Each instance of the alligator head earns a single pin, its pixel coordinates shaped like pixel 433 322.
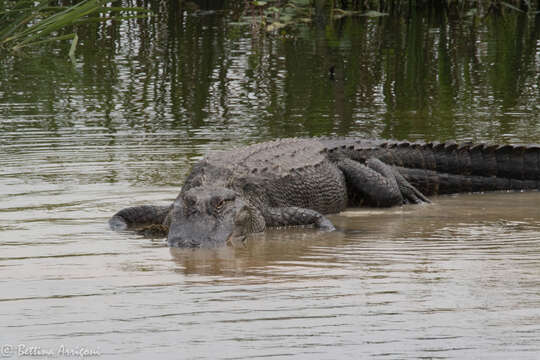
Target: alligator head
pixel 207 216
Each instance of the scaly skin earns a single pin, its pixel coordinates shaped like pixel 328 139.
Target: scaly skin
pixel 231 194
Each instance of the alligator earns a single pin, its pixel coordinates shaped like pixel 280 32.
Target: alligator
pixel 287 182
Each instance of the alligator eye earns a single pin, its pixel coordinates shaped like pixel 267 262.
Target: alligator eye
pixel 220 204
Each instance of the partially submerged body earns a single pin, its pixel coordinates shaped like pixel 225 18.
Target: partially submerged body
pixel 287 182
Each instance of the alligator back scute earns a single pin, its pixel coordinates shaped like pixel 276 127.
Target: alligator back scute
pixel 531 162
pixel 407 154
pixel 426 152
pixel 483 160
pixel 443 160
pixel 395 155
pixel 424 155
pixel 464 158
pixel 450 149
pixel 384 154
pixel 505 166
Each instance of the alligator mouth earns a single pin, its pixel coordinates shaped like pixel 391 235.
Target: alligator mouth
pixel 183 244
pixel 233 240
pixel 199 232
pixel 196 242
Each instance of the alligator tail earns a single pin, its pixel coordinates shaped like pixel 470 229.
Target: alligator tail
pixel 443 168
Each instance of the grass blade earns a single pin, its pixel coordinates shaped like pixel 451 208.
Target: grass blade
pixel 37 22
pixel 73 47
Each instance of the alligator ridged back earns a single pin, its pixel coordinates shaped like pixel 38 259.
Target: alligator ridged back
pixel 276 157
pixel 273 159
pixel 279 173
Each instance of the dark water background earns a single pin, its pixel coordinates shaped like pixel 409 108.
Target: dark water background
pixel 147 98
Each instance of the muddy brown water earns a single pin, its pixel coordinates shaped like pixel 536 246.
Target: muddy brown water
pixel 453 279
pixel 145 99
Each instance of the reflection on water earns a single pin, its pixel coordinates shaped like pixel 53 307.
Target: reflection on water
pixel 454 279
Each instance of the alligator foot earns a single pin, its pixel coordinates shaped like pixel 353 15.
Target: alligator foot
pixel 289 216
pixel 379 184
pixel 153 231
pixel 410 193
pixel 374 181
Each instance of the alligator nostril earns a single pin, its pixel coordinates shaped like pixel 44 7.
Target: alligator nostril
pixel 190 202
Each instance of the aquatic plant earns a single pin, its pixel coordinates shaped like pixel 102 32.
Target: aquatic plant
pixel 483 7
pixel 26 23
pixel 273 15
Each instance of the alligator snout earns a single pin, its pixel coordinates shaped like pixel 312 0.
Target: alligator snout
pixel 200 230
pixel 203 218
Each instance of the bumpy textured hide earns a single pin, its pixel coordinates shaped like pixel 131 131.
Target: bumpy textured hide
pixel 288 172
pixel 296 181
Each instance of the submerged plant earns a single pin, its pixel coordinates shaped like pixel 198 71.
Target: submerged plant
pixel 25 23
pixel 271 15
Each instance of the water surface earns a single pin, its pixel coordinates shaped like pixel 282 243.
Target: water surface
pixel 455 279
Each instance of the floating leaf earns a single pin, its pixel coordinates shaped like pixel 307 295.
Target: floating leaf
pixel 339 13
pixel 374 13
pixel 301 2
pixel 285 18
pixel 260 3
pixel 238 23
pixel 471 12
pixel 275 26
pixel 250 19
pixel 290 11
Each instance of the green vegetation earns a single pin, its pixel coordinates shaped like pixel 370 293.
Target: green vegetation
pixel 273 15
pixel 482 6
pixel 426 71
pixel 25 23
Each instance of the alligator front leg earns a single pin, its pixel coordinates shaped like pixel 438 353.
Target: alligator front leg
pixel 289 216
pixel 378 183
pixel 142 218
